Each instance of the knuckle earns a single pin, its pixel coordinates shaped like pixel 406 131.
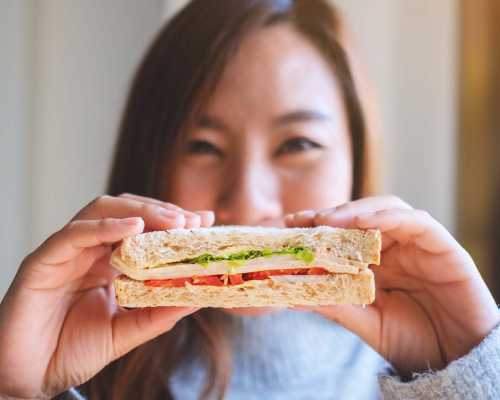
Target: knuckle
pixel 94 208
pixel 30 259
pixel 99 201
pixel 173 206
pixel 148 209
pixel 393 198
pixel 343 206
pixel 319 219
pixel 465 255
pixel 423 214
pixel 397 201
pixel 357 220
pixel 348 209
pixel 104 223
pixel 71 226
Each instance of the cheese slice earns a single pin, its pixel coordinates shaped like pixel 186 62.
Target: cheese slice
pixel 285 261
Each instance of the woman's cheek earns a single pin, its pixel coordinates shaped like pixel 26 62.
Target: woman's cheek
pixel 194 188
pixel 326 184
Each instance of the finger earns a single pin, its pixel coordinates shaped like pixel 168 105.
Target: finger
pixel 207 218
pixel 405 226
pixel 342 215
pixel 70 241
pixel 192 217
pixel 336 216
pixel 150 200
pixel 192 220
pixel 131 328
pixel 277 222
pixel 155 216
pixel 101 269
pixel 38 276
pixel 394 273
pixel 300 219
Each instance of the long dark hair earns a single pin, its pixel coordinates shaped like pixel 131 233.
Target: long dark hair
pixel 178 73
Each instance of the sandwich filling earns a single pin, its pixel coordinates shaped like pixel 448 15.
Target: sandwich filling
pixel 247 263
pixel 238 279
pixel 237 259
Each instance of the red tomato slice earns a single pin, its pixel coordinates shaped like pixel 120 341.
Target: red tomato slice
pixel 266 274
pixel 252 276
pixel 290 271
pixel 235 279
pixel 213 280
pixel 317 271
pixel 177 282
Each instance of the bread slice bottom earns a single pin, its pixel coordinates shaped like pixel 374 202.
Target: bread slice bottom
pixel 333 289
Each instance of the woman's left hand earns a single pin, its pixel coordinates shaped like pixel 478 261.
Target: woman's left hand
pixel 432 306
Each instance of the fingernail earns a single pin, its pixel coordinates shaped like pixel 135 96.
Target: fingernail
pixel 192 220
pixel 180 219
pixel 205 212
pixel 172 218
pixel 207 217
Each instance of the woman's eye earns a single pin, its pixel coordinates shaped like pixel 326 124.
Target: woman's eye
pixel 202 147
pixel 297 145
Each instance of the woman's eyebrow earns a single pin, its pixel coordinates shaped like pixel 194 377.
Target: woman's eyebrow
pixel 210 122
pixel 300 116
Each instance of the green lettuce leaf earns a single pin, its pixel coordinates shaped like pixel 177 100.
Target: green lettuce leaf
pixel 236 259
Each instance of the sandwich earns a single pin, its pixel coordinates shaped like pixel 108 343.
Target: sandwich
pixel 242 266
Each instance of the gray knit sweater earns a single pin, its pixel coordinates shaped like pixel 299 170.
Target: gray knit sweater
pixel 298 355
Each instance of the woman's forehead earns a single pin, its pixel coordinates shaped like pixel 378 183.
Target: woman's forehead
pixel 275 69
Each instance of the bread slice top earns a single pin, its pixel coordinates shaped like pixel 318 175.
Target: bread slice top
pixel 148 250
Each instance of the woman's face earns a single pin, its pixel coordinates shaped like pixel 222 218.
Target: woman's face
pixel 273 139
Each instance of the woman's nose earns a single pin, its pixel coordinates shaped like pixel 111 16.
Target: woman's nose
pixel 251 196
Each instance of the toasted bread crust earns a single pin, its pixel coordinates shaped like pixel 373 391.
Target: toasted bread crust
pixel 161 247
pixel 333 289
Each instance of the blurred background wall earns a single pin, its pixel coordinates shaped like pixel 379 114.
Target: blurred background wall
pixel 478 197
pixel 65 66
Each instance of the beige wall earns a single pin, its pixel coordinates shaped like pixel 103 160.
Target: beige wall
pixel 66 69
pixel 16 100
pixel 66 66
pixel 409 49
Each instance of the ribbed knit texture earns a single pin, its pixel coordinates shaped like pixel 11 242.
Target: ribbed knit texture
pixel 476 376
pixel 293 355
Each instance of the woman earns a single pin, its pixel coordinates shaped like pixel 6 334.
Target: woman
pixel 248 109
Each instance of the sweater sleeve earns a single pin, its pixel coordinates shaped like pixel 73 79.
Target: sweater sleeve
pixel 473 376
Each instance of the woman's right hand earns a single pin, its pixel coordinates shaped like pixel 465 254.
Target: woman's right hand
pixel 59 323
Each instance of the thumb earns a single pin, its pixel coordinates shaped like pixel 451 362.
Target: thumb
pixel 132 328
